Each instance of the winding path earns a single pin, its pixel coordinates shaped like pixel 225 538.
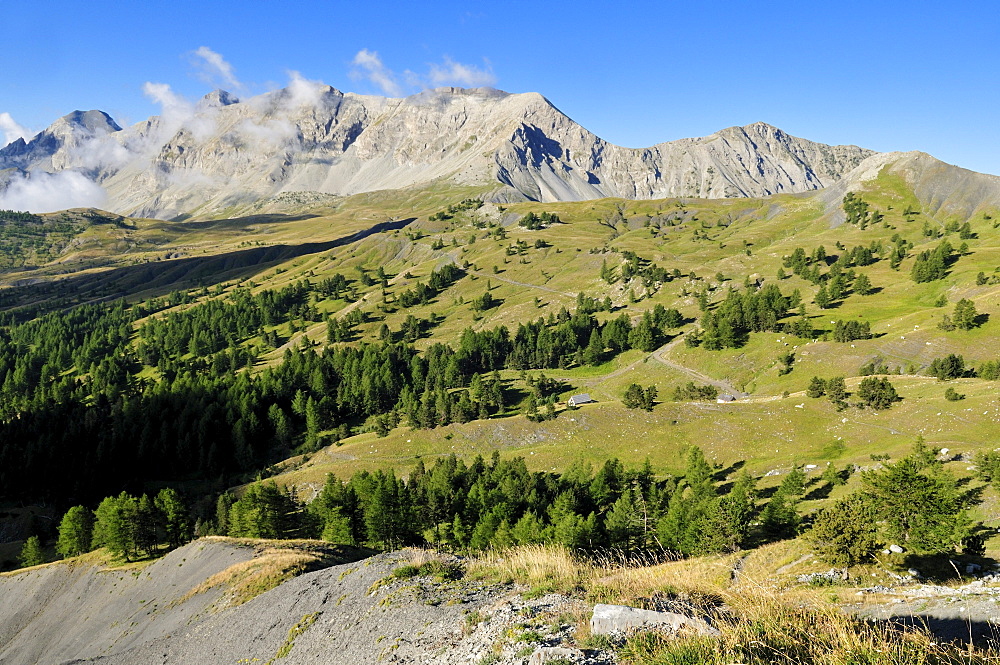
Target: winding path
pixel 723 386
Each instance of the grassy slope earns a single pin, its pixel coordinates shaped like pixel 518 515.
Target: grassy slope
pixel 769 434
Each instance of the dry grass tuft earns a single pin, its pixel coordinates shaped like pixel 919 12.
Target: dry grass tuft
pixel 275 561
pixel 429 562
pixel 248 579
pixel 759 622
pixel 767 629
pixel 543 567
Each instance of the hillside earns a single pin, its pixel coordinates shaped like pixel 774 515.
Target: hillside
pixel 394 368
pixel 226 154
pixel 212 601
pixel 675 249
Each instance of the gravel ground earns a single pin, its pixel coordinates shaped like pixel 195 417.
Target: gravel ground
pixel 60 612
pixel 970 612
pixel 353 613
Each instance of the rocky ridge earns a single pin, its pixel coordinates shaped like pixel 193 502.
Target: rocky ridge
pixel 225 152
pixel 355 612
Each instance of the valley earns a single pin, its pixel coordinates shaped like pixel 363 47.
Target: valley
pixel 390 368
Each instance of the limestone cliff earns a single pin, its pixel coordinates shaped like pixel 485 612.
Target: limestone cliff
pixel 225 152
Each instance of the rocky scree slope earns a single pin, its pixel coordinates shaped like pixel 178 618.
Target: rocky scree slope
pixel 350 613
pixel 224 152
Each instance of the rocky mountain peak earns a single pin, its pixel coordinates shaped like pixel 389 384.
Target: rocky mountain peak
pixel 313 137
pixel 218 99
pixel 94 122
pixel 52 148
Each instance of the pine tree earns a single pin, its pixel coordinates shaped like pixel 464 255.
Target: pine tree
pixel 730 528
pixel 115 525
pixel 337 528
pixel 780 517
pixel 31 553
pixel 965 314
pixel 624 522
pixel 862 285
pixel 223 506
pixel 175 516
pixel 822 298
pixel 691 510
pixel 634 396
pixel 877 393
pixel 836 391
pixel 920 505
pixel 147 520
pixel 817 387
pixel 594 353
pixel 643 336
pixel 75 532
pixel 264 511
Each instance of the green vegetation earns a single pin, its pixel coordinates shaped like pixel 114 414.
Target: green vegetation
pixel 500 504
pixel 302 626
pixel 31 553
pixel 430 339
pixel 932 265
pixel 130 527
pixel 913 503
pixel 76 532
pixel 637 397
pixel 877 393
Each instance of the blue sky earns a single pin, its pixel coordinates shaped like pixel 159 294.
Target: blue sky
pixel 884 75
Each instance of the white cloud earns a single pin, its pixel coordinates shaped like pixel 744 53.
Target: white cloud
pixel 12 131
pixel 272 132
pixel 302 91
pixel 452 72
pixel 174 107
pixel 368 65
pixel 213 68
pixel 178 112
pixel 48 192
pixel 99 152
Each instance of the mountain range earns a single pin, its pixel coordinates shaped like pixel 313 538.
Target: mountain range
pixel 212 157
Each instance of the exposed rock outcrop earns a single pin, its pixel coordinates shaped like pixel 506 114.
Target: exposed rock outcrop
pixel 226 152
pixel 356 612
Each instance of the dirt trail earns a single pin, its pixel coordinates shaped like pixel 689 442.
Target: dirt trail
pixel 723 386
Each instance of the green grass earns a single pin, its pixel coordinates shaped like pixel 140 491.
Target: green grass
pixel 768 434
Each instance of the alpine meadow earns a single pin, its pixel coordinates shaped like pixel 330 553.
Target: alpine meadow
pixel 326 377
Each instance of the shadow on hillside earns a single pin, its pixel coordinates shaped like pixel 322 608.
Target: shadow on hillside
pixel 723 474
pixel 767 492
pixel 161 277
pixel 949 629
pixel 819 491
pixel 235 222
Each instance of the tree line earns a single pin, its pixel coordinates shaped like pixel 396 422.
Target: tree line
pixel 499 503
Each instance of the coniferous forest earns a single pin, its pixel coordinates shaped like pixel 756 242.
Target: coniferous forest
pixel 159 419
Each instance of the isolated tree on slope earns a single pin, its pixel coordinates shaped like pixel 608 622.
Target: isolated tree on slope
pixel 31 553
pixel 922 506
pixel 846 533
pixel 965 314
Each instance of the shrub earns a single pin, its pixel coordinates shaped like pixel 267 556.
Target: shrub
pixel 845 533
pixel 877 393
pixel 949 367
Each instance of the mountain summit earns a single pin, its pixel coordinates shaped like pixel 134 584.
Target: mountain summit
pixel 226 152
